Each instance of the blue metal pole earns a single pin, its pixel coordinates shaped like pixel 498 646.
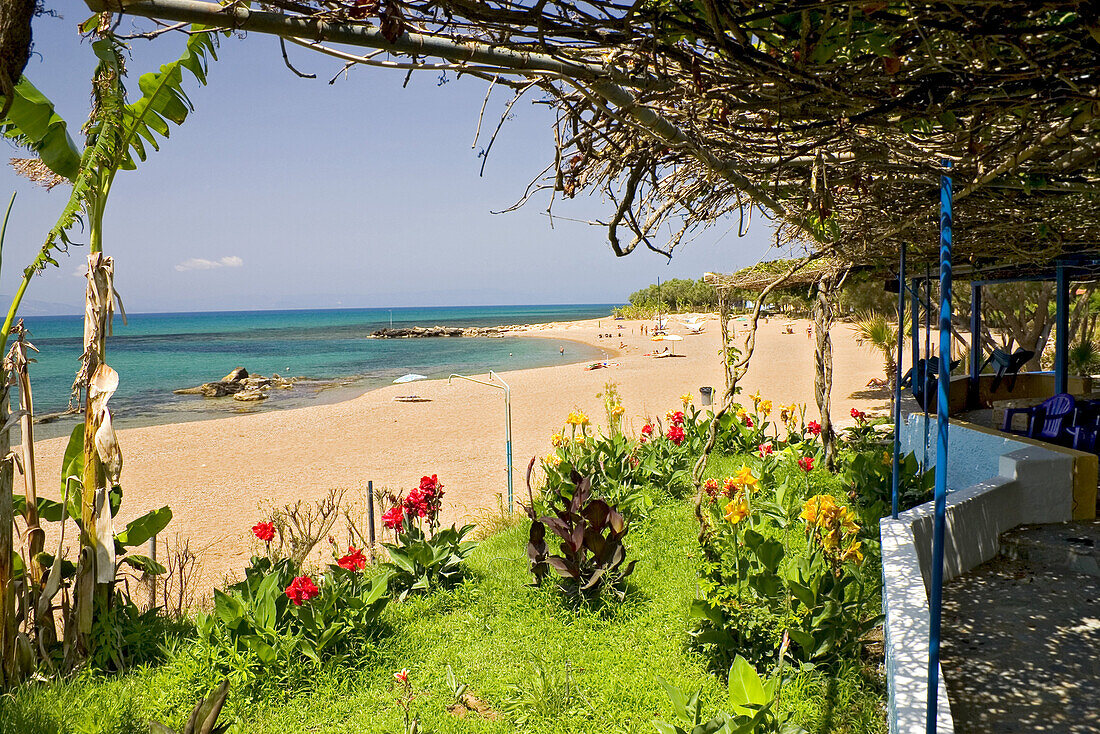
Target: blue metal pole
pixel 1061 341
pixel 973 392
pixel 942 408
pixel 914 326
pixel 897 384
pixel 927 354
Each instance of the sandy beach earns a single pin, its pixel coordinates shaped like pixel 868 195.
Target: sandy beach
pixel 217 474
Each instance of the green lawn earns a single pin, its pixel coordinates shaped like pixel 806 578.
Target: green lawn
pixel 523 651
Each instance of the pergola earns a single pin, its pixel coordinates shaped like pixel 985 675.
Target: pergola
pixel 857 128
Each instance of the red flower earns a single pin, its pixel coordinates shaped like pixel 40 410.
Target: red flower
pixel 393 517
pixel 765 449
pixel 748 421
pixel 301 590
pixel 711 487
pixel 678 418
pixel 806 463
pixel 402 677
pixel 647 431
pixel 859 415
pixel 354 560
pixel 429 484
pixel 814 428
pixel 265 531
pixel 676 434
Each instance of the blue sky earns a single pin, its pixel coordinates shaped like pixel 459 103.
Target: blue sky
pixel 280 192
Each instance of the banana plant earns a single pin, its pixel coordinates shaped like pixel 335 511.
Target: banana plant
pixel 119 135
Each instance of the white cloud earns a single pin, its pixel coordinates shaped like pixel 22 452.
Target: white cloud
pixel 198 263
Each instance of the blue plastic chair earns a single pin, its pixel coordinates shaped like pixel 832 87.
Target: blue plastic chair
pixel 1048 421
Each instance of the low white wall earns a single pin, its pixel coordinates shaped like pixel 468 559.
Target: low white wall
pixel 1032 485
pixel 974 455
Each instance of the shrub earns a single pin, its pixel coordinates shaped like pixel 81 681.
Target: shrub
pixel 277 616
pixel 815 588
pixel 424 556
pixel 591 533
pixel 752 702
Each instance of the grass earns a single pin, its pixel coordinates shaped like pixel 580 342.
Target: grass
pixel 536 662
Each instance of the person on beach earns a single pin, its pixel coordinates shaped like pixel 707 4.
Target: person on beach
pixel 561 351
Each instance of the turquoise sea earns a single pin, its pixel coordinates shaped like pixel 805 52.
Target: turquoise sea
pixel 155 354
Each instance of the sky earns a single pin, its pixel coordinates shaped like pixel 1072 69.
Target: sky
pixel 281 192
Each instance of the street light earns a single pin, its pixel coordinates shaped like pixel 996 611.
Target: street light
pixel 507 418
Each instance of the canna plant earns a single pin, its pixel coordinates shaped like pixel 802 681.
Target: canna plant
pixel 425 556
pixel 591 536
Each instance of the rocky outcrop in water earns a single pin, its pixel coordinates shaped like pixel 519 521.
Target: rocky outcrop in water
pixel 423 332
pixel 241 385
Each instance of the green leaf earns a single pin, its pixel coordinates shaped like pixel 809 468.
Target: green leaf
pixel 745 688
pixel 163 99
pixel 145 564
pixel 264 651
pixel 228 608
pixel 139 531
pixel 48 510
pixel 33 123
pixel 676 696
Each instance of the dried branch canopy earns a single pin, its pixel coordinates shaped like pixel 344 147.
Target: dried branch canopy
pixel 834 118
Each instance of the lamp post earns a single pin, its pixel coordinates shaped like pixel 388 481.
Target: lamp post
pixel 507 418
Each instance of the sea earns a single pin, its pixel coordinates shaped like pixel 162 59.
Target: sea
pixel 157 353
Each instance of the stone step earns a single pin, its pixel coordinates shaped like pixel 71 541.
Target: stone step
pixel 1071 546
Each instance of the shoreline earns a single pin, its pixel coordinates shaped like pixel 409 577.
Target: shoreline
pixel 312 392
pixel 217 475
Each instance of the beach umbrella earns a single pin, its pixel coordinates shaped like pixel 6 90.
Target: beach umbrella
pixel 669 338
pixel 409 378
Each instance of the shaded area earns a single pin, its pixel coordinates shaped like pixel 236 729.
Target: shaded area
pixel 1020 642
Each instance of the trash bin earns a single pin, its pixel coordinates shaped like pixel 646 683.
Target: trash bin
pixel 707 394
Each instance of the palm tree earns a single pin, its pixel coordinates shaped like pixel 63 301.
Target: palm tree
pixel 879 332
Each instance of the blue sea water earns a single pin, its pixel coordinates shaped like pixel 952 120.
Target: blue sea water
pixel 155 354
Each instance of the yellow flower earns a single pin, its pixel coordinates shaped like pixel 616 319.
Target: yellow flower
pixel 686 399
pixel 737 510
pixel 852 553
pixel 558 440
pixel 765 407
pixel 580 440
pixel 577 418
pixel 887 460
pixel 818 509
pixel 847 520
pixel 551 459
pixel 755 398
pixel 617 410
pixel 744 479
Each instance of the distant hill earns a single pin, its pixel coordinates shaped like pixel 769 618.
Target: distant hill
pixel 33 307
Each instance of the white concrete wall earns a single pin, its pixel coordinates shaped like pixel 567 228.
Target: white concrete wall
pixel 974 455
pixel 1032 485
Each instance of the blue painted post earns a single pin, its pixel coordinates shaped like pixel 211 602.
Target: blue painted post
pixel 1061 341
pixel 927 354
pixel 914 325
pixel 973 393
pixel 942 407
pixel 897 383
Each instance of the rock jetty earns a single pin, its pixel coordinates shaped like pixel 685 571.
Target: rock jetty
pixel 241 385
pixel 423 332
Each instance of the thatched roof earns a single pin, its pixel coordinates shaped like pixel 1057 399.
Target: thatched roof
pixel 758 277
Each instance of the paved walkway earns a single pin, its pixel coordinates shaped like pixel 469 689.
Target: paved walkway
pixel 1021 646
